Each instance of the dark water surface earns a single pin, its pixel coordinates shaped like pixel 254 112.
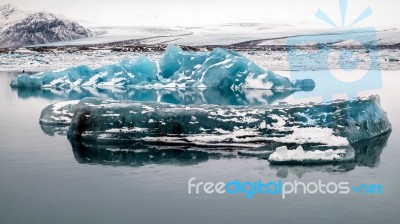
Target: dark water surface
pixel 44 180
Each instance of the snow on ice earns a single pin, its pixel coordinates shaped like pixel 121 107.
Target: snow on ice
pixel 220 68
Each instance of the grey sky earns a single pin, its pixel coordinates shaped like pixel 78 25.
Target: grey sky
pixel 202 12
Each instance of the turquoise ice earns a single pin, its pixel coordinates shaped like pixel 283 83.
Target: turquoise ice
pixel 220 68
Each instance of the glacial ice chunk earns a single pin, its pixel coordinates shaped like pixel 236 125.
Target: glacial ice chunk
pixel 172 61
pixel 141 70
pixel 336 124
pixel 125 73
pixel 220 68
pixel 283 156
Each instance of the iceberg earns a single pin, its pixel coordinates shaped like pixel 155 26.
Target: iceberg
pixel 320 126
pixel 221 69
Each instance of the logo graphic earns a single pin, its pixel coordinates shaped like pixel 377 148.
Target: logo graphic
pixel 347 60
pixel 282 188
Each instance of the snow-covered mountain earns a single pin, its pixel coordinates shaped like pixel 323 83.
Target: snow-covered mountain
pixel 10 14
pixel 21 28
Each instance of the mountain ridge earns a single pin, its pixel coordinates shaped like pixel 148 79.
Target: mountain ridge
pixel 20 28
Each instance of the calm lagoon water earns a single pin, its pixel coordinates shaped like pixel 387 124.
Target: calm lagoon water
pixel 43 180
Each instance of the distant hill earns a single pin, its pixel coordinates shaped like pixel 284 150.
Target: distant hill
pixel 21 28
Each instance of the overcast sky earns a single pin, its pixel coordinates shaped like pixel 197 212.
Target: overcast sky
pixel 203 12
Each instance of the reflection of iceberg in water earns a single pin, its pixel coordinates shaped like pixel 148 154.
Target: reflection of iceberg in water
pixel 367 154
pixel 367 151
pixel 174 96
pixel 53 130
pixel 139 155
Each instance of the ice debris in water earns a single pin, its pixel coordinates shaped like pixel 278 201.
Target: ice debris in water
pixel 220 68
pixel 298 155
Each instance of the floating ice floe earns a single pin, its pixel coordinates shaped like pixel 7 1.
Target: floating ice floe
pixel 367 153
pixel 325 131
pixel 283 156
pixel 220 68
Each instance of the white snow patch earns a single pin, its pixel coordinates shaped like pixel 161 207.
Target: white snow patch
pixel 126 130
pixel 298 154
pixel 258 82
pixel 323 136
